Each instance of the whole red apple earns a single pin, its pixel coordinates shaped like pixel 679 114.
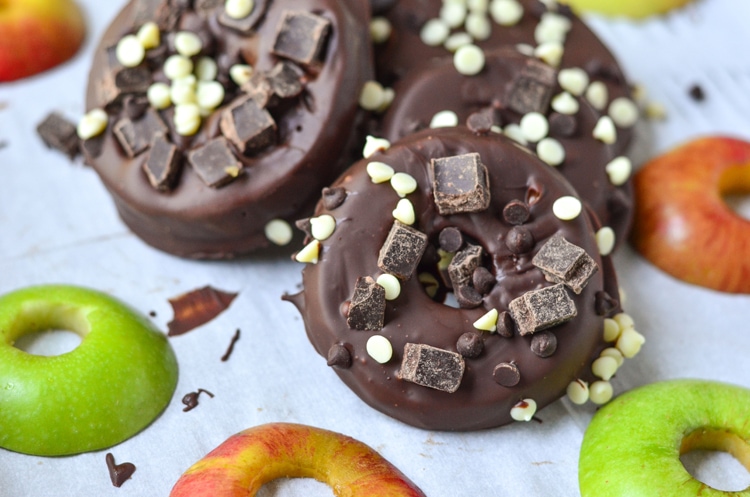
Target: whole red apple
pixel 36 35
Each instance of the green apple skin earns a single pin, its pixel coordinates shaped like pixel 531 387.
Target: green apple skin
pixel 632 446
pixel 637 9
pixel 115 383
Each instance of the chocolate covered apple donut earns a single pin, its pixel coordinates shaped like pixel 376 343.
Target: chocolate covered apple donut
pixel 451 211
pixel 212 123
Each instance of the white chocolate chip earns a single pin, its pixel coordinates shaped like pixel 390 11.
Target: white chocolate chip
pixel 565 103
pixel 605 130
pixel 496 129
pixel 623 112
pixel 240 73
pixel 597 95
pixel 656 111
pixel 404 212
pixel 187 119
pixel 551 151
pixel 206 69
pixel 391 284
pixel 210 94
pixel 444 119
pixel 630 342
pixel 611 330
pixel 534 126
pixel 615 354
pixel 403 184
pixel 149 36
pixel 604 367
pixel 183 91
pixel 624 321
pixel 310 253
pixel 239 9
pixel 550 52
pixel 372 95
pixel 578 392
pixel 525 49
pixel 379 348
pixel 445 259
pixel 524 410
pixel 374 145
pixel 513 131
pixel 552 28
pixel 92 124
pixel 379 172
pixel 177 66
pixel 159 96
pixel 129 51
pixel 567 208
pixel 187 44
pixel 605 240
pixel 430 284
pixel 322 227
pixel 488 322
pixel 574 80
pixel 278 232
pixel 619 170
pixel 388 96
pixel 453 14
pixel 478 5
pixel 506 12
pixel 434 32
pixel 478 25
pixel 187 111
pixel 469 60
pixel 600 392
pixel 380 30
pixel 457 40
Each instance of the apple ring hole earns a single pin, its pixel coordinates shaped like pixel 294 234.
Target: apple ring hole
pixel 48 329
pixel 734 187
pixel 717 458
pixel 295 486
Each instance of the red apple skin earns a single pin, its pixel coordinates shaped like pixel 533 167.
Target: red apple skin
pixel 36 35
pixel 241 465
pixel 681 222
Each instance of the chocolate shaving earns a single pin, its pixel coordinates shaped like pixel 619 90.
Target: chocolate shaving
pixel 118 473
pixel 402 250
pixel 215 163
pixel 432 367
pixel 163 164
pixel 541 309
pixel 531 90
pixel 460 184
pixel 367 307
pixel 248 125
pixel 300 36
pixel 564 262
pixel 191 399
pixel 196 308
pixel 339 356
pixel 333 197
pixel 506 374
pixel 230 349
pixel 60 134
pixel 135 136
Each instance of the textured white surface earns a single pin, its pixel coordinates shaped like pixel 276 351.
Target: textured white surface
pixel 57 224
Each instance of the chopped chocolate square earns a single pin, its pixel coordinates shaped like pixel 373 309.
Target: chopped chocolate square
pixel 564 262
pixel 135 106
pixel 135 136
pixel 258 87
pixel 60 134
pixel 248 126
pixel 541 309
pixel 432 367
pixel 163 164
pixel 463 264
pixel 285 80
pixel 247 23
pixel 215 163
pixel 531 91
pixel 460 184
pixel 133 79
pixel 402 250
pixel 367 307
pixel 333 197
pixel 300 36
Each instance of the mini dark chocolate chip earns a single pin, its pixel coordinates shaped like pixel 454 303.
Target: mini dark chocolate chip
pixel 339 356
pixel 301 36
pixel 118 473
pixel 505 325
pixel 506 374
pixel 60 134
pixel 450 239
pixel 516 212
pixel 402 251
pixel 191 399
pixel 519 240
pixel 483 280
pixel 604 303
pixel 470 345
pixel 367 307
pixel 696 93
pixel 604 70
pixel 544 343
pixel 468 297
pixel 563 125
pixel 215 163
pixel 460 184
pixel 333 197
pixel 432 367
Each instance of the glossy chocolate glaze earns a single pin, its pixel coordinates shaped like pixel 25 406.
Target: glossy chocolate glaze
pixel 585 156
pixel 316 133
pixel 363 222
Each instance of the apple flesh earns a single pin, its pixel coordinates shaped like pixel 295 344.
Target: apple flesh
pixel 241 465
pixel 630 8
pixel 633 445
pixel 36 35
pixel 115 383
pixel 682 223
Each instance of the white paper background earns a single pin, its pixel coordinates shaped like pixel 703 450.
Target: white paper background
pixel 58 225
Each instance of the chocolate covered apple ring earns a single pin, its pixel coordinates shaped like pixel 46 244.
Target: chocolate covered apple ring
pixel 447 210
pixel 222 122
pixel 241 465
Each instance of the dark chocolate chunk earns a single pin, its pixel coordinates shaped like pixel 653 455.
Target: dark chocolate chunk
pixel 460 184
pixel 249 126
pixel 537 310
pixel 481 122
pixel 564 262
pixel 505 325
pixel 607 71
pixel 544 343
pixel 604 303
pixel 191 399
pixel 118 473
pixel 470 344
pixel 531 91
pixel 215 163
pixel 519 240
pixel 381 6
pixel 230 348
pixel 367 307
pixel 285 80
pixel 258 87
pixel 195 308
pixel 135 136
pixel 247 23
pixel 300 36
pixel 463 264
pixel 92 148
pixel 402 250
pixel 468 297
pixel 60 134
pixel 339 356
pixel 450 239
pixel 333 197
pixel 206 7
pixel 133 79
pixel 163 164
pixel 168 14
pixel 144 11
pixel 516 212
pixel 135 106
pixel 432 367
pixel 155 57
pixel 563 125
pixel 304 225
pixel 696 93
pixel 506 374
pixel 482 280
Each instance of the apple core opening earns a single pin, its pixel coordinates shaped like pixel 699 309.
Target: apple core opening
pixel 717 458
pixel 48 329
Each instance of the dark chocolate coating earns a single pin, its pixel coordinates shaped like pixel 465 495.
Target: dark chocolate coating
pixel 363 222
pixel 585 156
pixel 316 133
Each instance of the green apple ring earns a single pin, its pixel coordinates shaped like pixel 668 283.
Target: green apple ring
pixel 115 383
pixel 634 443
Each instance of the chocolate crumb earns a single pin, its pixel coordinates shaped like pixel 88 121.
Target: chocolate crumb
pixel 198 307
pixel 604 303
pixel 506 374
pixel 519 240
pixel 432 367
pixel 483 280
pixel 367 307
pixel 505 325
pixel 339 356
pixel 152 314
pixel 544 343
pixel 230 349
pixel 516 212
pixel 118 473
pixel 191 399
pixel 696 93
pixel 333 197
pixel 451 239
pixel 470 345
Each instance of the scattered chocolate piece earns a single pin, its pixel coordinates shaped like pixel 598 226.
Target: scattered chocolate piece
pixel 506 374
pixel 470 345
pixel 232 343
pixel 215 163
pixel 163 164
pixel 258 87
pixel 246 24
pixel 285 80
pixel 519 240
pixel 531 91
pixel 367 307
pixel 206 7
pixel 133 79
pixel 333 197
pixel 152 314
pixel 450 239
pixel 461 268
pixel 339 356
pixel 59 134
pixel 696 93
pixel 135 136
pixel 598 69
pixel 481 122
pixel 304 225
pixel 135 106
pixel 460 184
pixel 564 262
pixel 402 250
pixel 191 399
pixel 505 325
pixel 483 280
pixel 198 307
pixel 604 303
pixel 300 36
pixel 563 125
pixel 118 473
pixel 248 125
pixel 541 309
pixel 92 148
pixel 544 343
pixel 468 297
pixel 432 367
pixel 516 212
